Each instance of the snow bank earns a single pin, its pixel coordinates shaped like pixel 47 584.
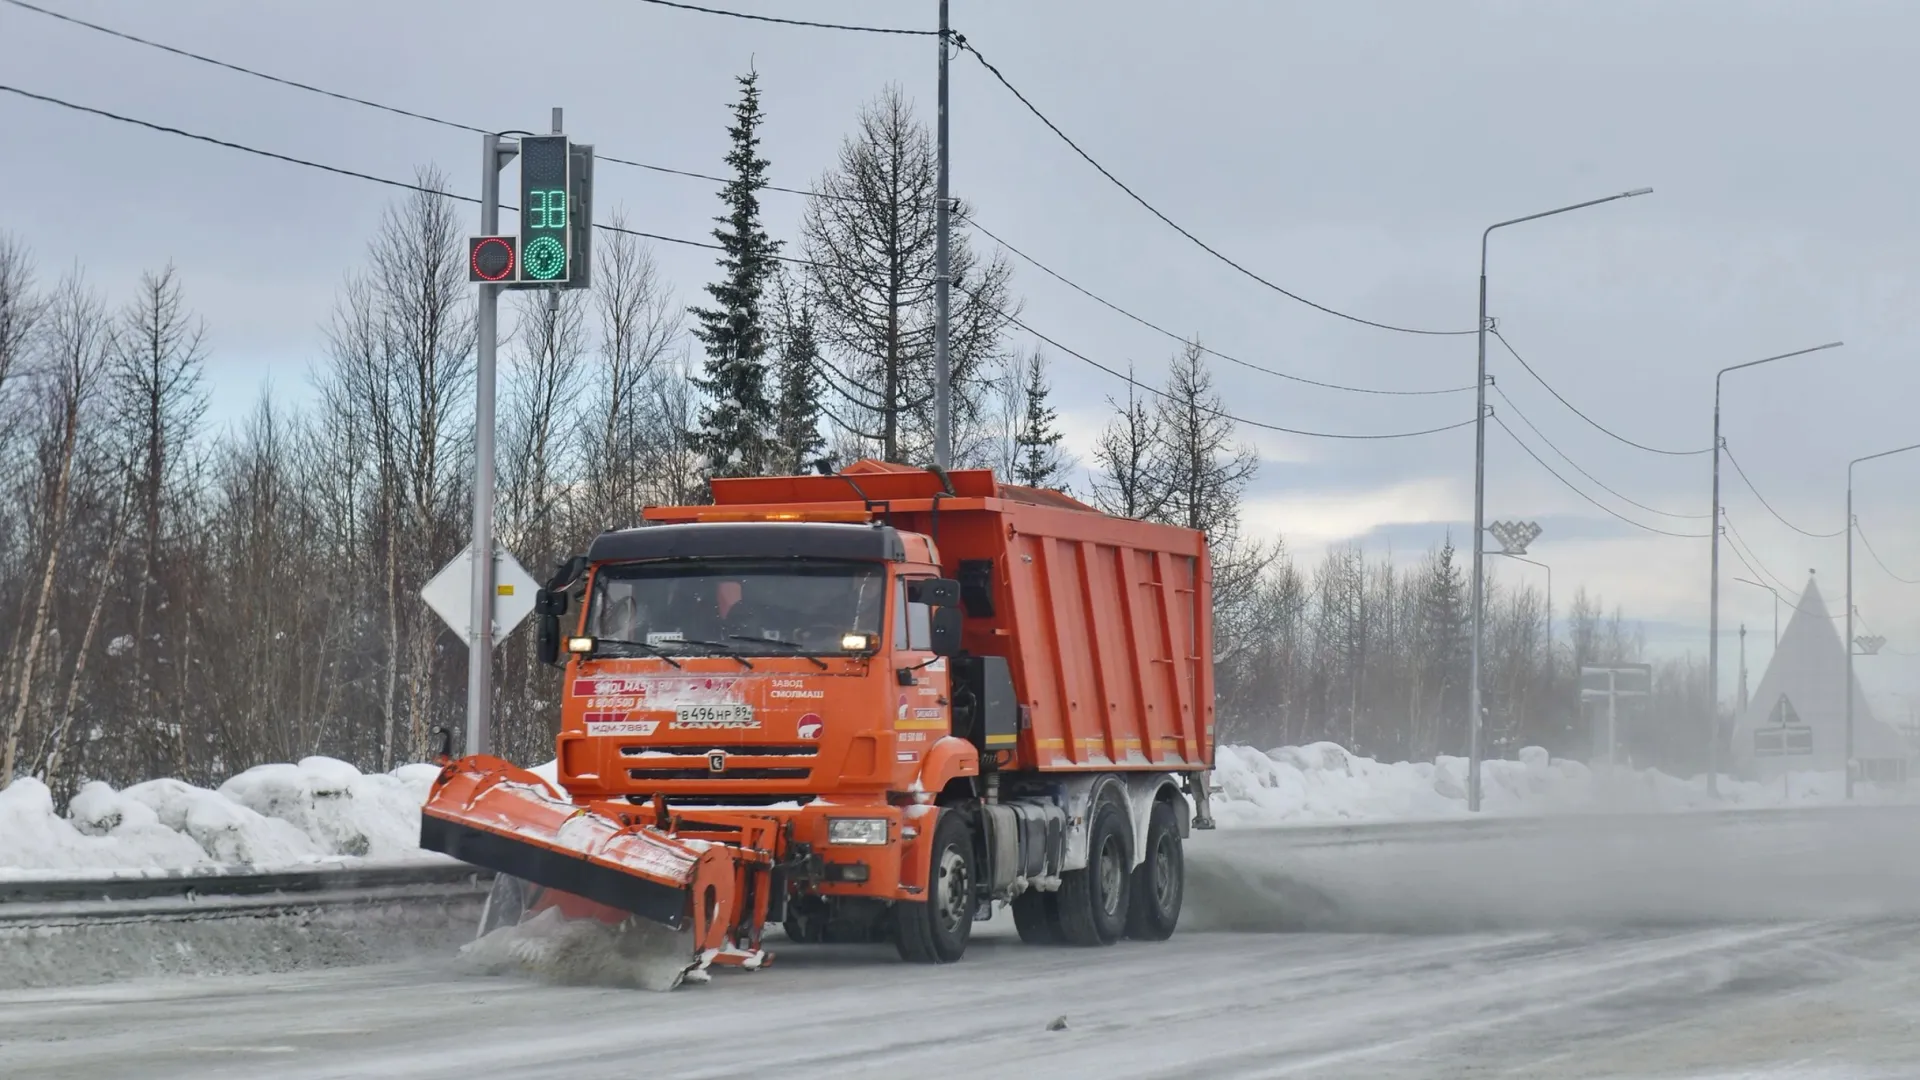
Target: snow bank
pixel 269 817
pixel 1325 783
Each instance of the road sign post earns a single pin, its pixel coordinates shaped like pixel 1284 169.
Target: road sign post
pixel 1610 683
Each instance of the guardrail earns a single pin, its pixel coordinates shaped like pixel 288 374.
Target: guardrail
pixel 234 893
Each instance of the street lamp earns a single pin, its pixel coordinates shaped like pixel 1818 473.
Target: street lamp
pixel 1776 605
pixel 1480 490
pixel 1851 641
pixel 1713 588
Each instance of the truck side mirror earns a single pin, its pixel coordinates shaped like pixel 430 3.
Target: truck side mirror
pixel 944 631
pixel 547 637
pixel 935 592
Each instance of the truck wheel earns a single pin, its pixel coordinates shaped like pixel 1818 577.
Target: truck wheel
pixel 1036 915
pixel 936 930
pixel 1093 901
pixel 1159 882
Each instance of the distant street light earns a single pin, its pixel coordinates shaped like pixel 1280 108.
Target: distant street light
pixel 1776 605
pixel 1713 588
pixel 1480 491
pixel 1851 640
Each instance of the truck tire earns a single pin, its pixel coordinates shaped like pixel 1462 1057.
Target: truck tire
pixel 1036 915
pixel 1093 900
pixel 1159 882
pixel 936 930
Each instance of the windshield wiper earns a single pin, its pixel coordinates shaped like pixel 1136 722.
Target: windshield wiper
pixel 724 649
pixel 654 649
pixel 798 648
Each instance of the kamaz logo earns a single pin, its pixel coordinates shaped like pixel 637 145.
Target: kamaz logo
pixel 717 761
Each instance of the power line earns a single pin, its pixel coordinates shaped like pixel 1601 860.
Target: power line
pixel 1763 501
pixel 1602 428
pixel 382 107
pixel 1603 485
pixel 1770 588
pixel 1876 556
pixel 339 171
pixel 1733 535
pixel 1174 225
pixel 1110 305
pixel 793 22
pixel 1156 391
pixel 357 175
pixel 1570 486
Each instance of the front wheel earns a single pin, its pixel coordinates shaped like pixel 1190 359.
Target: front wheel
pixel 936 930
pixel 1159 882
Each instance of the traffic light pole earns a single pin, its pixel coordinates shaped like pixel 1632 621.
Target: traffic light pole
pixel 495 154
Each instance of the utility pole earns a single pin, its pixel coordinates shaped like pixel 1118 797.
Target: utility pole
pixel 1848 690
pixel 1713 588
pixel 1742 710
pixel 942 373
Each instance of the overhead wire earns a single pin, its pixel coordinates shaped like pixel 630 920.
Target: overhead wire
pixel 382 106
pixel 1736 540
pixel 1728 451
pixel 974 224
pixel 1583 472
pixel 1868 544
pixel 1597 425
pixel 1575 488
pixel 356 174
pixel 969 47
pixel 900 31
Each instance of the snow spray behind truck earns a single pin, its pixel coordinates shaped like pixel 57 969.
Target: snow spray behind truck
pixel 862 705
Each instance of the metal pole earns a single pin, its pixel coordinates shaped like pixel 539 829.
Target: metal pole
pixel 1713 590
pixel 1848 689
pixel 1479 539
pixel 1480 489
pixel 1613 727
pixel 1713 618
pixel 942 393
pixel 480 620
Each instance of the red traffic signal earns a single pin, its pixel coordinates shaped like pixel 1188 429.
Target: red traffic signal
pixel 492 258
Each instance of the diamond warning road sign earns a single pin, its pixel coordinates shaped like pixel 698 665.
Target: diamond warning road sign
pixel 450 594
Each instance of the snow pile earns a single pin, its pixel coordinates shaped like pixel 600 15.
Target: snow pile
pixel 271 816
pixel 1324 782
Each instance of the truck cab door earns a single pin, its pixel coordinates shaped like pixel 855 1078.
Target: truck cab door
pixel 923 715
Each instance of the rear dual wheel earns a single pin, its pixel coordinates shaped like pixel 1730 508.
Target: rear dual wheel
pixel 1099 904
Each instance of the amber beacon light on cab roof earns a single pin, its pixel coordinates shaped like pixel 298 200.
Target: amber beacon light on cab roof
pixel 865 705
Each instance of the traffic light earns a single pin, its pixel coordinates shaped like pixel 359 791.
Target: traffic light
pixel 492 259
pixel 546 198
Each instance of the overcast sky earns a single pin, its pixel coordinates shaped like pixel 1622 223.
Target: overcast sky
pixel 1349 151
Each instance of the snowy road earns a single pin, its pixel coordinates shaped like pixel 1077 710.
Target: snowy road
pixel 1673 948
pixel 1799 1000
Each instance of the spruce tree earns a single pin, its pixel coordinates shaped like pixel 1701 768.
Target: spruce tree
pixel 1038 461
pixel 736 424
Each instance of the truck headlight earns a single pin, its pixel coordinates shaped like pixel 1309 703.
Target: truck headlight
pixel 857 830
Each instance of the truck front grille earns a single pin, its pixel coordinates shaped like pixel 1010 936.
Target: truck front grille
pixel 745 772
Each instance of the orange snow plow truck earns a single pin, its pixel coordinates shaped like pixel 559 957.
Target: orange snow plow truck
pixel 866 705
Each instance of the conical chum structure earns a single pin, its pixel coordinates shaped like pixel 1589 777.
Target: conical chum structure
pixel 1796 720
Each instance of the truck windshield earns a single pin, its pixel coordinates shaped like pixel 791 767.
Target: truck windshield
pixel 693 605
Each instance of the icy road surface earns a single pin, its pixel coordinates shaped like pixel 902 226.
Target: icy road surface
pixel 1822 1000
pixel 1665 948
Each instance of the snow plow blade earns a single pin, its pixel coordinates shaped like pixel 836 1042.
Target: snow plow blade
pixel 493 814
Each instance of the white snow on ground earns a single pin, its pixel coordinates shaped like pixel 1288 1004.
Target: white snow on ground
pixel 271 816
pixel 1324 782
pixel 322 809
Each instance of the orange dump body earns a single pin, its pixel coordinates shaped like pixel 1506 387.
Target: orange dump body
pixel 731 783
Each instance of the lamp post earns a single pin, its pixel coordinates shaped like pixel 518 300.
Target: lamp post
pixel 1480 490
pixel 1848 690
pixel 1776 605
pixel 1713 587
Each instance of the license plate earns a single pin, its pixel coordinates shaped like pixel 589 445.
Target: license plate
pixel 714 716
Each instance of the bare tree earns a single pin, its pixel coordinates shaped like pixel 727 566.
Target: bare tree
pixel 1126 482
pixel 73 375
pixel 638 323
pixel 869 237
